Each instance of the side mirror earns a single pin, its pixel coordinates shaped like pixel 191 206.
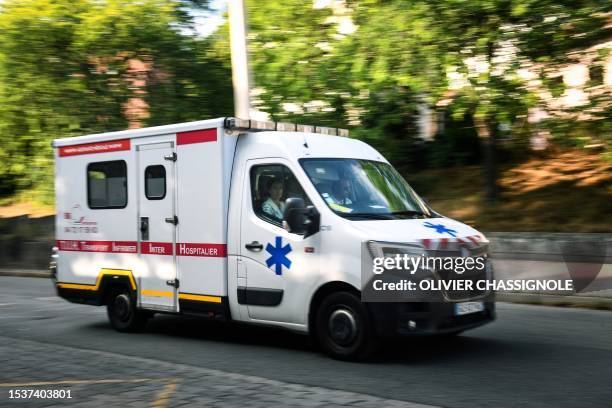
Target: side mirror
pixel 299 219
pixel 294 216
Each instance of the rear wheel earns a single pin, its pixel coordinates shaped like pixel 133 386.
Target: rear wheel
pixel 122 311
pixel 343 327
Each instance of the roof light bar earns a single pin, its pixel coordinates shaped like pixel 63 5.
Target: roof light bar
pixel 342 132
pixel 306 128
pixel 326 130
pixel 261 125
pixel 286 127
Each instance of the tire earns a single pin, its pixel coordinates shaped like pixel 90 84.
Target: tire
pixel 343 327
pixel 122 312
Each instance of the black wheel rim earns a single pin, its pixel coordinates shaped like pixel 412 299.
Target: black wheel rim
pixel 122 307
pixel 342 326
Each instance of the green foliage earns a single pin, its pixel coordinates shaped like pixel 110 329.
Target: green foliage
pixel 461 59
pixel 67 68
pixel 458 145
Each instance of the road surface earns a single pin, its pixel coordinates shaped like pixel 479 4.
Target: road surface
pixel 532 356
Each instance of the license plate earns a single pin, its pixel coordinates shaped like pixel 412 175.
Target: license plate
pixel 468 307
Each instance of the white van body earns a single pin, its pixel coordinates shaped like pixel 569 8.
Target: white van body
pixel 167 212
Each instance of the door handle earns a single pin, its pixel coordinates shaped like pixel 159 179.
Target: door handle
pixel 172 220
pixel 144 228
pixel 254 246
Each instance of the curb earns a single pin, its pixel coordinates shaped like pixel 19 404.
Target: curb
pixel 588 302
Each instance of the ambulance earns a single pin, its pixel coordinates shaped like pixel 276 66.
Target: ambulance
pixel 247 221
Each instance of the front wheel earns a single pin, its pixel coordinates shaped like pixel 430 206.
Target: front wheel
pixel 343 327
pixel 122 311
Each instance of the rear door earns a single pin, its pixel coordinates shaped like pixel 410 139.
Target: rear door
pixel 157 221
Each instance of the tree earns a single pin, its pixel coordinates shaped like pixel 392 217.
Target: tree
pixel 72 67
pixel 472 53
pixel 465 57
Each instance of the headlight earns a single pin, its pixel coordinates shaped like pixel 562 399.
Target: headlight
pixel 403 259
pixel 381 249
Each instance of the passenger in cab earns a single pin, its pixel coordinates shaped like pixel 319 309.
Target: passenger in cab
pixel 274 206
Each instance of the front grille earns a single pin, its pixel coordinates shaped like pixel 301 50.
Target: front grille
pixel 473 275
pixel 457 295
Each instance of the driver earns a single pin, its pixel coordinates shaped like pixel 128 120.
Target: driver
pixel 342 192
pixel 273 206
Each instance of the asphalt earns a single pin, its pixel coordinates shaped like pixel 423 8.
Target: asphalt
pixel 532 356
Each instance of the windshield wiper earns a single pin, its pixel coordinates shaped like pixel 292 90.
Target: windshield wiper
pixel 410 212
pixel 373 216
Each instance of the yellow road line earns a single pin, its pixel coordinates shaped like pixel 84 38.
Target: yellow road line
pixel 165 394
pixel 201 298
pixel 76 382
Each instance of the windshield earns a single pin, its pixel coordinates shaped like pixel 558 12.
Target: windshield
pixel 364 189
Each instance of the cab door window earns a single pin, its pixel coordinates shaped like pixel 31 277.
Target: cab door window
pixel 271 185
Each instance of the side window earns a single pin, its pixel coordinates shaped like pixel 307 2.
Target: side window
pixel 107 184
pixel 155 182
pixel 271 185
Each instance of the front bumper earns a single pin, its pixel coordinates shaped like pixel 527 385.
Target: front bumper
pixel 423 318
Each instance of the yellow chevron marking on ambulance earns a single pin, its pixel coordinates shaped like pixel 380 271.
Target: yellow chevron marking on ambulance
pixel 200 298
pixel 75 286
pixel 157 293
pixel 96 286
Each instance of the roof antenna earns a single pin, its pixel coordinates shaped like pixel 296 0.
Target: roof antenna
pixel 305 142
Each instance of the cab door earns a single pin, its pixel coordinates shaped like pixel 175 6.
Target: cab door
pixel 157 222
pixel 277 264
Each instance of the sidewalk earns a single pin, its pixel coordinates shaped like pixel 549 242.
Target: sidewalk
pixel 103 379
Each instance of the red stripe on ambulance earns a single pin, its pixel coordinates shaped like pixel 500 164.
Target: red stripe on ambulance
pixel 90 148
pixel 212 250
pixel 146 248
pixel 196 136
pixel 128 247
pixel 156 248
pixel 443 243
pixel 473 239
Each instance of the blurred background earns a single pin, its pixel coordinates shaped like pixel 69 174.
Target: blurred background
pixel 498 112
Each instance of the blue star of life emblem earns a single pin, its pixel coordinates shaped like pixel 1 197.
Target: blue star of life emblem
pixel 278 256
pixel 441 229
